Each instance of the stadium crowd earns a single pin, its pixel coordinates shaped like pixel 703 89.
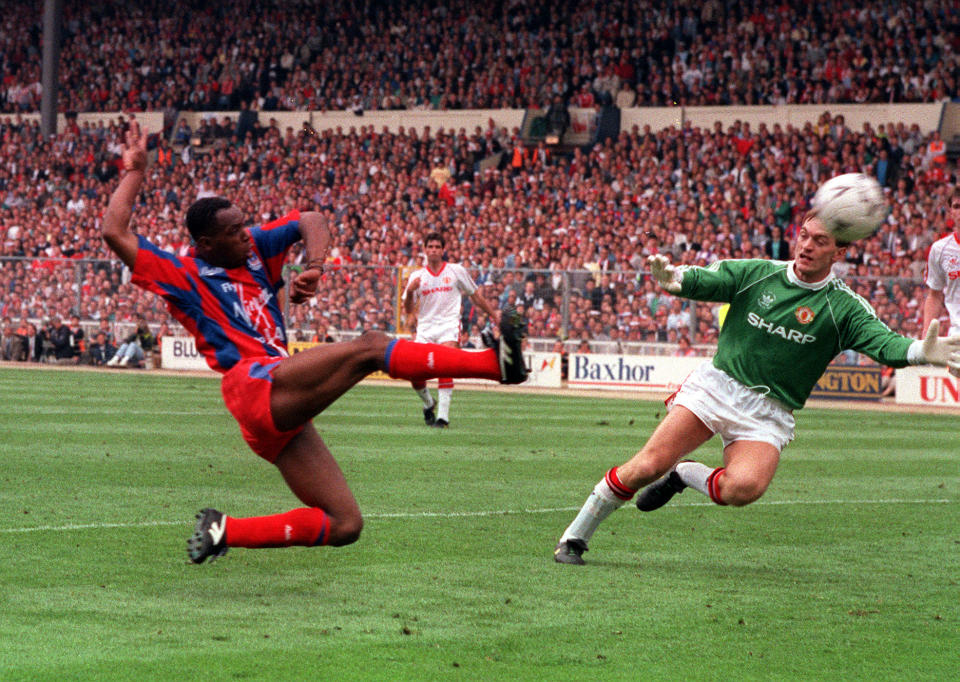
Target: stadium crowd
pixel 580 224
pixel 457 54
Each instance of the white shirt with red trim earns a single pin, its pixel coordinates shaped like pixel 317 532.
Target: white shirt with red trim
pixel 438 298
pixel 943 274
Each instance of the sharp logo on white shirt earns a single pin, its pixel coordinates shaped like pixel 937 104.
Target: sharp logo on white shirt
pixel 435 290
pixel 779 330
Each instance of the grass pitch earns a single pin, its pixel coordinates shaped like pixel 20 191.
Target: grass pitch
pixel 846 569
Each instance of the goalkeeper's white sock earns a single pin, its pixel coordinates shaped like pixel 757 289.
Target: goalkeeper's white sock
pixel 607 496
pixel 702 478
pixel 695 475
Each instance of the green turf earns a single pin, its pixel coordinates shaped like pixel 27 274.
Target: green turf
pixel 846 569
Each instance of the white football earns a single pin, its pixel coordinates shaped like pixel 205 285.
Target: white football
pixel 850 206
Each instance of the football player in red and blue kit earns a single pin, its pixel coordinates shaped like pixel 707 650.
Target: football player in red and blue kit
pixel 225 295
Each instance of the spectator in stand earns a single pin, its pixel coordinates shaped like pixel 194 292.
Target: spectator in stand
pixel 100 351
pixel 777 248
pixel 14 341
pixel 34 343
pixel 135 347
pixel 77 338
pixel 62 342
pixel 558 120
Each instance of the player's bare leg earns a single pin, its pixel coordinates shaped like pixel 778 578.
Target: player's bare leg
pixel 748 469
pixel 680 433
pixel 307 383
pixel 314 476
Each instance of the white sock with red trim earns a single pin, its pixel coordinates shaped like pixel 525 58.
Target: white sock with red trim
pixel 695 475
pixel 607 496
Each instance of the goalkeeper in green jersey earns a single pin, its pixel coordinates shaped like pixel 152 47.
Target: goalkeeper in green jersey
pixel 787 320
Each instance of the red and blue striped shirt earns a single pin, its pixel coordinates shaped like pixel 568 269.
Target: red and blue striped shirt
pixel 232 313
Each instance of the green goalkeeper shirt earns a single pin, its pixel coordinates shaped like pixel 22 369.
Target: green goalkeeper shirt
pixel 780 333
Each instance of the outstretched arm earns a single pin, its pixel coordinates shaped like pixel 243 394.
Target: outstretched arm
pixel 116 219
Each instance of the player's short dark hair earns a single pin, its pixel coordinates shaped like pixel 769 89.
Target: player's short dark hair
pixel 435 237
pixel 202 215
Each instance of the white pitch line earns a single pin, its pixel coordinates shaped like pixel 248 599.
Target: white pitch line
pixel 455 515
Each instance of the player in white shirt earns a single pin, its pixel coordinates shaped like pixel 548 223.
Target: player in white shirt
pixel 432 296
pixel 943 273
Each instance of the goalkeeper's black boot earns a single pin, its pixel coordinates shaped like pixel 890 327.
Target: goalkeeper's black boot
pixel 429 416
pixel 209 539
pixel 570 552
pixel 660 491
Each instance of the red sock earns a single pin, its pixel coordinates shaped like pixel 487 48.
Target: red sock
pixel 307 526
pixel 418 385
pixel 420 361
pixel 444 382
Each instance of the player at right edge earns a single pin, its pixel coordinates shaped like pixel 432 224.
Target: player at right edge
pixel 787 320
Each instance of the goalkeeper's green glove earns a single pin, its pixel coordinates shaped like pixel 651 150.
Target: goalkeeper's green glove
pixel 667 276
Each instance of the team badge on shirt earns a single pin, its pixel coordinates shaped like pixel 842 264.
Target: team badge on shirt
pixel 767 299
pixel 804 315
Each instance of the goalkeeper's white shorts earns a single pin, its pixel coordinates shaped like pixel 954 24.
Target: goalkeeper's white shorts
pixel 734 411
